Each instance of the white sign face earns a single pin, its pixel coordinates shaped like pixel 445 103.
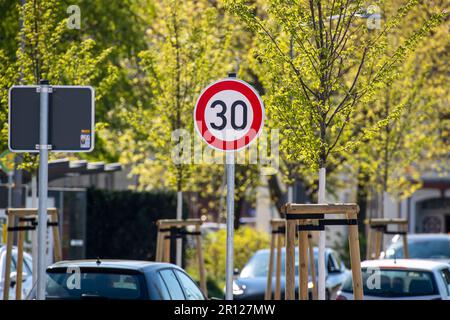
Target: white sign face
pixel 229 115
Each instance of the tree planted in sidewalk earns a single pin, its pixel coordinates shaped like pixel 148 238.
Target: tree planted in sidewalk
pixel 339 65
pixel 187 49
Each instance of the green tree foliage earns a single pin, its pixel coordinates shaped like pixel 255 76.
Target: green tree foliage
pixel 43 52
pixel 319 63
pixel 187 49
pixel 120 25
pixel 414 141
pixel 9 25
pixel 340 92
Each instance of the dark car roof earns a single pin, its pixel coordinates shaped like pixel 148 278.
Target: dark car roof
pixel 113 264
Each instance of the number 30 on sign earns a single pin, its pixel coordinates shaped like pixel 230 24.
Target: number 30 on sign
pixel 229 115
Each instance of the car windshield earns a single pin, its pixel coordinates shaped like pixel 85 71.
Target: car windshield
pixel 421 249
pixel 258 266
pixel 94 285
pixel 394 283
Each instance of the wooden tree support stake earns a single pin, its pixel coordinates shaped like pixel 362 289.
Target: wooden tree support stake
pixel 276 239
pixel 304 218
pixel 378 228
pixel 169 230
pixel 27 221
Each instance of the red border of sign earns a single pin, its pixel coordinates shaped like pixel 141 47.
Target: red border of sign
pixel 256 104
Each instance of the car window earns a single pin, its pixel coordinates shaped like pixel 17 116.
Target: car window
pixel 13 262
pixel 331 264
pixel 25 265
pixel 190 288
pixel 161 288
pixel 337 261
pixel 125 282
pixel 28 264
pixel 389 283
pixel 171 281
pixel 421 249
pixel 95 284
pixel 258 266
pixel 445 274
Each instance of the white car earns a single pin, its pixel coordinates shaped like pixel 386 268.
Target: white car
pixel 27 277
pixel 401 279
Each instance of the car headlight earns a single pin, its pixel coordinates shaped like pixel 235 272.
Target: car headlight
pixel 237 289
pixel 310 285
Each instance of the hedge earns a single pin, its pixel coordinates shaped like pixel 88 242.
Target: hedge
pixel 122 224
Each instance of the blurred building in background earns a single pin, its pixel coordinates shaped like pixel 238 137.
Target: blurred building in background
pixel 427 209
pixel 68 182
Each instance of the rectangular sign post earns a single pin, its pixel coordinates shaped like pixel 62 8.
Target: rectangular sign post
pixel 47 118
pixel 43 186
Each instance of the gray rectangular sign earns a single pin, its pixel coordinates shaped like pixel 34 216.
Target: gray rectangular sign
pixel 70 124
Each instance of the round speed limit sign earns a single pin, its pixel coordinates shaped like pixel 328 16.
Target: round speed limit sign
pixel 229 114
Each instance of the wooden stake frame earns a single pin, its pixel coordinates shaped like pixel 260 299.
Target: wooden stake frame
pixel 163 243
pixel 304 218
pixel 277 239
pixel 378 227
pixel 30 216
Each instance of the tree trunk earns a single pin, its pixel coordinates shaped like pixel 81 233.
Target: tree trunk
pixel 322 238
pixel 361 200
pixel 276 194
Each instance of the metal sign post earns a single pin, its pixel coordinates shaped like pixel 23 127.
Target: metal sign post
pixel 229 270
pixel 43 186
pixel 39 122
pixel 229 116
pixel 230 226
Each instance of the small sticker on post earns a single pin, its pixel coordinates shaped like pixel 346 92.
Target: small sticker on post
pixel 85 141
